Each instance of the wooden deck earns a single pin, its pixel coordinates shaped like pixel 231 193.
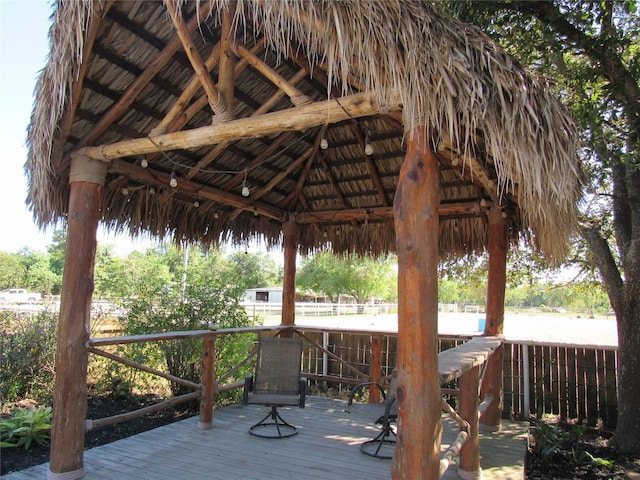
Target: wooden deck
pixel 327 446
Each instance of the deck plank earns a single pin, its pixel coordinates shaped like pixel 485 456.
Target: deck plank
pixel 327 446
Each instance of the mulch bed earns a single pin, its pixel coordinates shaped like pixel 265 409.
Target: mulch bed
pixel 13 459
pixel 561 450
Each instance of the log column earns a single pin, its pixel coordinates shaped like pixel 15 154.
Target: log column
pixel 208 382
pixel 418 392
pixel 497 278
pixel 469 467
pixel 376 368
pixel 291 231
pixel 70 392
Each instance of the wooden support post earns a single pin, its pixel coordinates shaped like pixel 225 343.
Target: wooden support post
pixel 376 367
pixel 291 230
pixel 493 378
pixel 208 383
pixel 418 392
pixel 70 391
pixel 470 452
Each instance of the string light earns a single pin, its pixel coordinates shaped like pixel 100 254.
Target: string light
pixel 152 191
pixel 125 191
pixel 216 214
pixel 196 204
pixel 324 143
pixel 368 149
pixel 245 188
pixel 173 181
pixel 144 163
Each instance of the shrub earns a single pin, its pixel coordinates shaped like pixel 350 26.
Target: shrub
pixel 27 356
pixel 25 427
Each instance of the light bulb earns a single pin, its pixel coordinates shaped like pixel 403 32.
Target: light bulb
pixel 173 182
pixel 144 163
pixel 152 191
pixel 368 149
pixel 216 214
pixel 324 143
pixel 125 191
pixel 245 188
pixel 196 204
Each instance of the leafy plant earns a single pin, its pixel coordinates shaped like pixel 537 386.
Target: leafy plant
pixel 548 442
pixel 25 427
pixel 27 355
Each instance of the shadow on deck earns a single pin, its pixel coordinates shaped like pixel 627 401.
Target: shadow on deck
pixel 326 447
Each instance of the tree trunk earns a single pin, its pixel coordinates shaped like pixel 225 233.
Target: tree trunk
pixel 627 434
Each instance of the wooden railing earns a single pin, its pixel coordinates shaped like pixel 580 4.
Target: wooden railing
pixel 571 381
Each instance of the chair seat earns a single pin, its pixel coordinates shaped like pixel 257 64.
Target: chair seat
pixel 273 399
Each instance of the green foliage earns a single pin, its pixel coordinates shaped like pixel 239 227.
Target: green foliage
pixel 26 426
pixel 203 297
pixel 253 270
pixel 548 442
pixel 362 277
pixel 27 356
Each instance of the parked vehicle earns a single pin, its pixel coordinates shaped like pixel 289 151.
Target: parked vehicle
pixel 19 295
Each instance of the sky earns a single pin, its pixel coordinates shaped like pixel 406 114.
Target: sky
pixel 24 45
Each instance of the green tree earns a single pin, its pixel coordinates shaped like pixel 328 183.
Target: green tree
pixel 253 270
pixel 362 277
pixel 11 270
pixel 57 250
pixel 592 51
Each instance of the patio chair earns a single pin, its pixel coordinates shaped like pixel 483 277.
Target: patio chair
pixel 383 413
pixel 276 383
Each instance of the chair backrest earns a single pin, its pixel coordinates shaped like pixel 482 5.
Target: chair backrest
pixel 278 366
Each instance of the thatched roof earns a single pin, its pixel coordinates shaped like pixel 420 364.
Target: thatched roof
pixel 118 70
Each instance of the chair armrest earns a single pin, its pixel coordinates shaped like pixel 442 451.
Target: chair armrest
pixel 303 392
pixel 355 389
pixel 248 387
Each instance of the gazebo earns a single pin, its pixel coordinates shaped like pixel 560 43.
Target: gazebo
pixel 357 126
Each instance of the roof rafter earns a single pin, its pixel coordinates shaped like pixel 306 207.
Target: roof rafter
pixel 216 100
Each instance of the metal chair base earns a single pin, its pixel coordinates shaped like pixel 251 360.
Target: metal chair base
pixel 276 428
pixel 374 447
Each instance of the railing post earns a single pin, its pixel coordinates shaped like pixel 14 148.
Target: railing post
pixel 376 367
pixel 470 451
pixel 208 382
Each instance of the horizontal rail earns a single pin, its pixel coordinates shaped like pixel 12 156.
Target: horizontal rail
pixel 123 417
pixel 139 366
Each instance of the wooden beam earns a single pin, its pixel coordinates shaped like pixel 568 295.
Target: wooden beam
pixel 296 96
pixel 226 74
pixel 216 100
pixel 175 113
pixel 121 106
pixel 469 208
pixel 297 118
pixel 418 392
pixel 154 177
pixel 218 149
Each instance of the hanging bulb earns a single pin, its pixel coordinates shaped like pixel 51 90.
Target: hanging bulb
pixel 245 188
pixel 196 204
pixel 152 191
pixel 216 214
pixel 255 212
pixel 173 182
pixel 144 163
pixel 368 149
pixel 125 191
pixel 324 143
